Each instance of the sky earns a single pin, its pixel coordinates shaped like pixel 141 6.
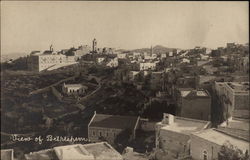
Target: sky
pixel 34 25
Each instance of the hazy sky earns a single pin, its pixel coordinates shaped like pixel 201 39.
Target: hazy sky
pixel 30 25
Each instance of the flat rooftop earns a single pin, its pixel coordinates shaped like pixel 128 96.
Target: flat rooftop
pixel 7 154
pixel 77 152
pixel 113 121
pixel 239 86
pixel 237 123
pixel 135 156
pixel 220 138
pixel 186 125
pixel 188 92
pixel 48 154
pixel 103 151
pixel 74 85
pixel 93 151
pixel 236 126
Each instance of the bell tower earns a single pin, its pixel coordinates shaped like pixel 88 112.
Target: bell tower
pixel 51 48
pixel 94 45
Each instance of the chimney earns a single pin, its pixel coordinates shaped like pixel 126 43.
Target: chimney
pixel 168 119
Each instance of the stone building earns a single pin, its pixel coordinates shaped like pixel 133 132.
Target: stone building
pixel 107 127
pixel 112 62
pixel 81 51
pixel 99 60
pixel 206 144
pixel 121 56
pixel 173 134
pixel 147 66
pixel 74 89
pixel 234 97
pixel 193 103
pixel 38 61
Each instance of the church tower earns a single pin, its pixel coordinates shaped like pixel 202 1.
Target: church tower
pixel 94 45
pixel 151 50
pixel 51 48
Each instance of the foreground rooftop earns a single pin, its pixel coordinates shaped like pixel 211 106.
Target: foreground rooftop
pixel 93 151
pixel 7 154
pixel 183 125
pixel 219 137
pixel 239 86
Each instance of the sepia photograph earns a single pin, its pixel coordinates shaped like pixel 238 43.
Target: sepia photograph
pixel 125 80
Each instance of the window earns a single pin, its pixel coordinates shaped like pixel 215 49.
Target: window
pixel 100 133
pixel 205 157
pixel 93 133
pixel 107 134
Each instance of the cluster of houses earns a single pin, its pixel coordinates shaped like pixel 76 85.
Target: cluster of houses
pixel 206 86
pixel 50 60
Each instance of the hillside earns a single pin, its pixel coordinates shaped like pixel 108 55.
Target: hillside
pixel 158 49
pixel 13 56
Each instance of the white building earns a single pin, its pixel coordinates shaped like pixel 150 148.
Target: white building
pixel 148 57
pixel 48 60
pixel 136 54
pixel 100 60
pixel 74 89
pixel 163 55
pixel 147 66
pixel 185 60
pixel 170 54
pixel 113 62
pixel 121 56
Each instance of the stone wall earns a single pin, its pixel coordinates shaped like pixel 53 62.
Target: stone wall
pixel 241 102
pixel 109 134
pixel 198 108
pixel 173 142
pixel 199 145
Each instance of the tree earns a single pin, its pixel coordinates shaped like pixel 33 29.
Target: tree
pixel 231 152
pixel 123 139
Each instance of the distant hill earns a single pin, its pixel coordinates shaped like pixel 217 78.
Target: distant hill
pixel 13 56
pixel 158 49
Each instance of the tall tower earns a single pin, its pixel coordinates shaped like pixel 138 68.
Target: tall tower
pixel 51 48
pixel 151 50
pixel 94 45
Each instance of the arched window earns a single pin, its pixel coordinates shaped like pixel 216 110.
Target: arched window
pixel 205 157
